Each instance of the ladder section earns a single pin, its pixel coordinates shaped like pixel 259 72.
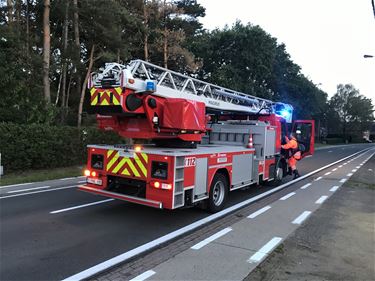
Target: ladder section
pixel 171 84
pixel 178 190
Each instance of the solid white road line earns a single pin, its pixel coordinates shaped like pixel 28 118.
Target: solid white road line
pixel 321 199
pixel 334 169
pixel 343 180
pixel 334 188
pixel 287 196
pixel 144 276
pixel 318 178
pixel 172 235
pixel 326 174
pixel 259 212
pixel 349 174
pixel 27 189
pixel 211 238
pixel 305 186
pixel 81 206
pixel 301 217
pixel 19 184
pixel 35 192
pixel 258 256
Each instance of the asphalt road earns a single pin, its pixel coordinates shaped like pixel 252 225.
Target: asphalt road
pixel 38 245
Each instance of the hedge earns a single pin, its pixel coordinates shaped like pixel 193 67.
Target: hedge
pixel 38 146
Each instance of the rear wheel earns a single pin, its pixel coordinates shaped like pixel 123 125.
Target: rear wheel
pixel 218 193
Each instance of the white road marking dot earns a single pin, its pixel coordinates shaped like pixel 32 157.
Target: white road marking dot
pixel 334 169
pixel 321 199
pixel 81 206
pixel 345 164
pixel 334 188
pixel 287 196
pixel 143 276
pixel 354 170
pixel 260 211
pixel 258 256
pixel 211 238
pixel 326 174
pixel 340 166
pixel 34 188
pixel 349 174
pixel 301 217
pixel 305 186
pixel 318 178
pixel 343 180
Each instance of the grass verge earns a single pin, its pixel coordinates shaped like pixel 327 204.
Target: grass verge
pixel 40 175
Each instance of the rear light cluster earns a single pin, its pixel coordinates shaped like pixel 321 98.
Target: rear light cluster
pixel 89 173
pixel 160 185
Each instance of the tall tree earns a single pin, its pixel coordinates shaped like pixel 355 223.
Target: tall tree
pixel 353 111
pixel 46 51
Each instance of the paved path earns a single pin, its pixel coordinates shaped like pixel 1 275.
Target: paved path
pixel 50 230
pixel 236 249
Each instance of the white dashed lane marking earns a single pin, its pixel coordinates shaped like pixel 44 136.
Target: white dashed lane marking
pixel 211 238
pixel 144 276
pixel 301 217
pixel 287 196
pixel 259 212
pixel 81 206
pixel 267 248
pixel 334 169
pixel 349 174
pixel 326 174
pixel 334 188
pixel 305 186
pixel 321 199
pixel 319 178
pixel 343 180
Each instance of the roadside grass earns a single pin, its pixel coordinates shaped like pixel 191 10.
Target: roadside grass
pixel 40 175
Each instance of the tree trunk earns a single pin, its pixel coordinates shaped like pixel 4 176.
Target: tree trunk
pixel 10 11
pixel 165 47
pixel 83 91
pixel 27 32
pixel 65 46
pixel 46 52
pixel 77 44
pixel 145 38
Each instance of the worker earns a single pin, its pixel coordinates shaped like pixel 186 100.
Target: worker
pixel 294 154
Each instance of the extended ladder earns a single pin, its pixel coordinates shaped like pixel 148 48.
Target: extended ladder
pixel 171 84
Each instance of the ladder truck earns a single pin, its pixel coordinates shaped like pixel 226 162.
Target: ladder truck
pixel 203 140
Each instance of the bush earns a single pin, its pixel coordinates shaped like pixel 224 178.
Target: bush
pixel 38 146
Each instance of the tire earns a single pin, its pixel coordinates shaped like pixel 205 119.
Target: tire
pixel 218 193
pixel 278 173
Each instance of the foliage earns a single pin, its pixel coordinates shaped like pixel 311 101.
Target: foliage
pixel 349 111
pixel 39 146
pixel 246 58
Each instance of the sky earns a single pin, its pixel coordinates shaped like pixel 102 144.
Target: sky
pixel 327 38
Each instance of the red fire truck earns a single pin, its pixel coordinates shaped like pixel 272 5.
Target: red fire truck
pixel 203 140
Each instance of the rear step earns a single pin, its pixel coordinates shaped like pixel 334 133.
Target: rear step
pixel 119 196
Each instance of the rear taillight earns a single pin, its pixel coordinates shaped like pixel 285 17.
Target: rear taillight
pixel 87 173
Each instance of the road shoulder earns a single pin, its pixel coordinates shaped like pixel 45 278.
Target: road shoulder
pixel 336 243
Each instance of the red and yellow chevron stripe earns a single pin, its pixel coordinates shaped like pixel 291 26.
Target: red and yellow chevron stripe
pixel 105 96
pixel 129 166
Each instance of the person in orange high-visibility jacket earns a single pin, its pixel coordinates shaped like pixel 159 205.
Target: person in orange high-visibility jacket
pixel 294 154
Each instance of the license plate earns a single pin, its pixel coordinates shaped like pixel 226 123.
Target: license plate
pixel 94 181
